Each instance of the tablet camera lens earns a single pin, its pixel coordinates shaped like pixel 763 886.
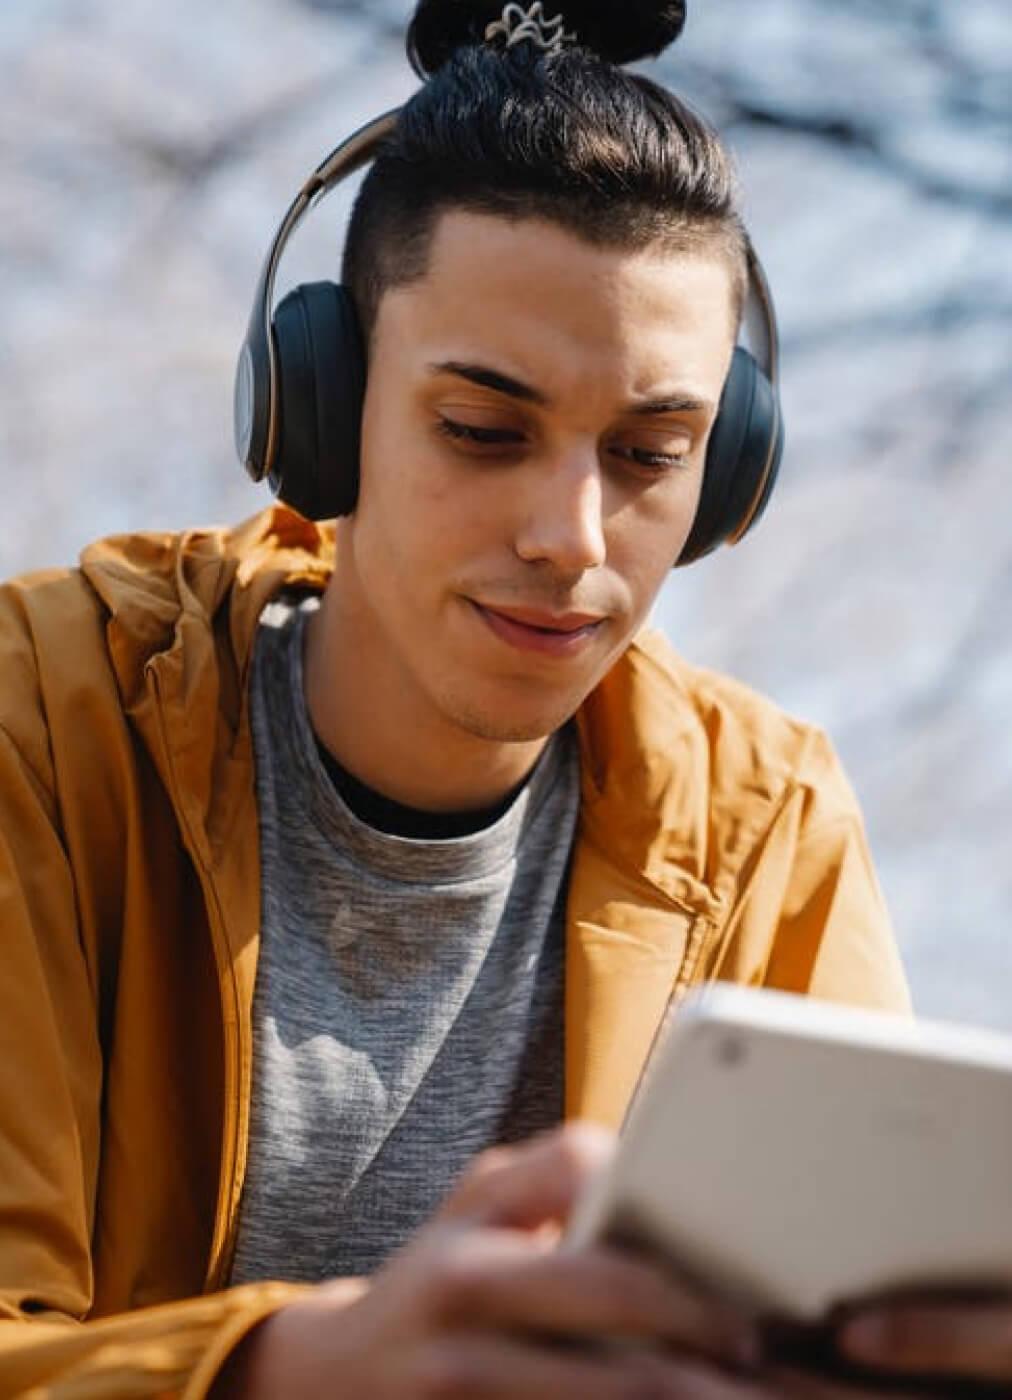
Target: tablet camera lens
pixel 730 1051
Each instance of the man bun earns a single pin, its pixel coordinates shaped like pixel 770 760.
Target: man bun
pixel 618 31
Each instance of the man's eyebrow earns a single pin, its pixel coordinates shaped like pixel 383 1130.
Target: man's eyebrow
pixel 488 378
pixel 671 403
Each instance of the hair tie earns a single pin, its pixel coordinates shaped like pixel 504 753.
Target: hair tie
pixel 517 25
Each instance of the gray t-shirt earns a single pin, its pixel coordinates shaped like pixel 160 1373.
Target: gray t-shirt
pixel 408 1004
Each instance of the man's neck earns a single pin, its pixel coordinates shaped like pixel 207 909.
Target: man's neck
pixel 378 725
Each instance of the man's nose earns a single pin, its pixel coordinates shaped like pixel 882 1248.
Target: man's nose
pixel 562 519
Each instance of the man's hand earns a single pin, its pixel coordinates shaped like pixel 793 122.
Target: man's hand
pixel 483 1304
pixel 479 1303
pixel 968 1340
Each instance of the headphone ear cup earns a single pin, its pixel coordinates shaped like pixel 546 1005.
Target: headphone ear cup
pixel 321 387
pixel 742 459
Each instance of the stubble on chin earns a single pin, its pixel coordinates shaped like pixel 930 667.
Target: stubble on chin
pixel 523 721
pixel 502 732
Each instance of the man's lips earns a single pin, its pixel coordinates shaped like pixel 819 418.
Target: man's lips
pixel 543 620
pixel 533 629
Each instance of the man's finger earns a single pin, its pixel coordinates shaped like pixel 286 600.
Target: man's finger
pixel 958 1339
pixel 492 1281
pixel 534 1183
pixel 496 1368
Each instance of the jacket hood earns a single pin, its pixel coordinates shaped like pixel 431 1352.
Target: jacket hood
pixel 181 617
pixel 154 585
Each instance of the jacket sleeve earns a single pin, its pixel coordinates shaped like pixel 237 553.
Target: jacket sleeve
pixel 810 916
pixel 50 1099
pixel 176 1350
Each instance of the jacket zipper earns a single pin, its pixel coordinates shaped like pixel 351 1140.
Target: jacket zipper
pixel 231 1027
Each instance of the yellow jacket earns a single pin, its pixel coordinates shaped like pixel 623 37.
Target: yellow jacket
pixel 717 838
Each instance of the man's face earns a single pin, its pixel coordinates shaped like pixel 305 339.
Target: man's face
pixel 533 441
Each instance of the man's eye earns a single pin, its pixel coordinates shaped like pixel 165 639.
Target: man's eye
pixel 651 460
pixel 484 437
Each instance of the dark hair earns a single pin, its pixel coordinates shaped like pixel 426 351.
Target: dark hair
pixel 569 137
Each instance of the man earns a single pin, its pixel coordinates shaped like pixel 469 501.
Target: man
pixel 415 821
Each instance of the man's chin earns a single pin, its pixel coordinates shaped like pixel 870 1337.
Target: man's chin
pixel 517 708
pixel 515 731
pixel 504 724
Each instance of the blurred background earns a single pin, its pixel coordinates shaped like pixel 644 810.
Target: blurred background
pixel 148 150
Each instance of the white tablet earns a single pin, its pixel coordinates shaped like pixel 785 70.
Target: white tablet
pixel 792 1154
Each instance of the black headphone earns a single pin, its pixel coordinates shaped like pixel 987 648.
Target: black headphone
pixel 300 383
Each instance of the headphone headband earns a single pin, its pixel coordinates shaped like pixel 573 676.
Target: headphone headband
pixel 258 359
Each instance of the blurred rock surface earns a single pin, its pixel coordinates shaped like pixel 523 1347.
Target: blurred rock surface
pixel 147 152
